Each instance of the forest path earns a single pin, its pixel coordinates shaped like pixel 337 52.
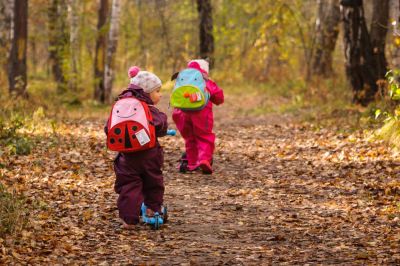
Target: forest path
pixel 281 193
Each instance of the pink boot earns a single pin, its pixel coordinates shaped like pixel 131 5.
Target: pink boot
pixel 206 167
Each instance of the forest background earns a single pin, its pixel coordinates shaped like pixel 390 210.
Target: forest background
pixel 322 62
pixel 284 45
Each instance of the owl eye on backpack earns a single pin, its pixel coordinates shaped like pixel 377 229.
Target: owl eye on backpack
pixel 190 92
pixel 130 126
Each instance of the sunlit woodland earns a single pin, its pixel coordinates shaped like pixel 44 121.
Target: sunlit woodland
pixel 306 161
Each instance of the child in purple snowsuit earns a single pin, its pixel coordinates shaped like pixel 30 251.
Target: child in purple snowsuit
pixel 196 126
pixel 139 177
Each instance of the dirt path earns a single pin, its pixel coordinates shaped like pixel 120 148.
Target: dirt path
pixel 281 194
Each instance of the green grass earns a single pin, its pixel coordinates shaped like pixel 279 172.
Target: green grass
pixel 390 132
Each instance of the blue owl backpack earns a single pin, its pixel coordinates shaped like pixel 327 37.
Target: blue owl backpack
pixel 190 92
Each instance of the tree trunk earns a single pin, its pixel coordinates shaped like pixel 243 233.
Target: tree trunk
pixel 395 17
pixel 58 42
pixel 379 28
pixel 160 5
pixel 6 26
pixel 17 60
pixel 327 30
pixel 74 44
pixel 111 49
pixel 143 49
pixel 206 30
pixel 361 65
pixel 100 55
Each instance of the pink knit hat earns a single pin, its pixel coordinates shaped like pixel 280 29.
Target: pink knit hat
pixel 144 79
pixel 199 64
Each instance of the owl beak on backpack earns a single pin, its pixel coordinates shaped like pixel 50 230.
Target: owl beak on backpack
pixel 193 97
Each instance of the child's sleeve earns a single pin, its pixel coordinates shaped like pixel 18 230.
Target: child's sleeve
pixel 160 122
pixel 216 93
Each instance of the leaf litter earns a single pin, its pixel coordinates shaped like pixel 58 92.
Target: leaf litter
pixel 282 193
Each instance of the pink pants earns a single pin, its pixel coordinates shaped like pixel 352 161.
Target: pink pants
pixel 196 129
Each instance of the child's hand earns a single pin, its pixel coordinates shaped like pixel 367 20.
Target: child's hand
pixel 171 132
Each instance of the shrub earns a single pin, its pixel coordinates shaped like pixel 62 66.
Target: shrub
pixel 10 139
pixel 390 131
pixel 19 146
pixel 8 129
pixel 13 212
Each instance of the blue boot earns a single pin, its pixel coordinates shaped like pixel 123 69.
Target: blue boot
pixel 157 220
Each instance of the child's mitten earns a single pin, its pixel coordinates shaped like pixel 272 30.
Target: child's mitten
pixel 171 132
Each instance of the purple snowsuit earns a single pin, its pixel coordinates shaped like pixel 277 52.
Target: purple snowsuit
pixel 139 176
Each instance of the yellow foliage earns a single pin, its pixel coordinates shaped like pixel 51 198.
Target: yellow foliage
pixel 397 41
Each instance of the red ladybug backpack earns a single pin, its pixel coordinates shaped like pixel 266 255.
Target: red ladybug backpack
pixel 130 126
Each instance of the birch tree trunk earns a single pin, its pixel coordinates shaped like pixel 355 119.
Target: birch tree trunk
pixel 6 26
pixel 206 30
pixel 327 30
pixel 395 17
pixel 167 50
pixel 143 49
pixel 17 61
pixel 74 44
pixel 58 42
pixel 100 55
pixel 111 49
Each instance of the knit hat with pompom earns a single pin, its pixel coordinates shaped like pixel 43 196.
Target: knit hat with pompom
pixel 200 64
pixel 148 81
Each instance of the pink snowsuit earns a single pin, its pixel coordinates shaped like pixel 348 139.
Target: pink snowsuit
pixel 196 128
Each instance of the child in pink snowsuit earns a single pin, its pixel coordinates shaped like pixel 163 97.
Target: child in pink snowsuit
pixel 196 127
